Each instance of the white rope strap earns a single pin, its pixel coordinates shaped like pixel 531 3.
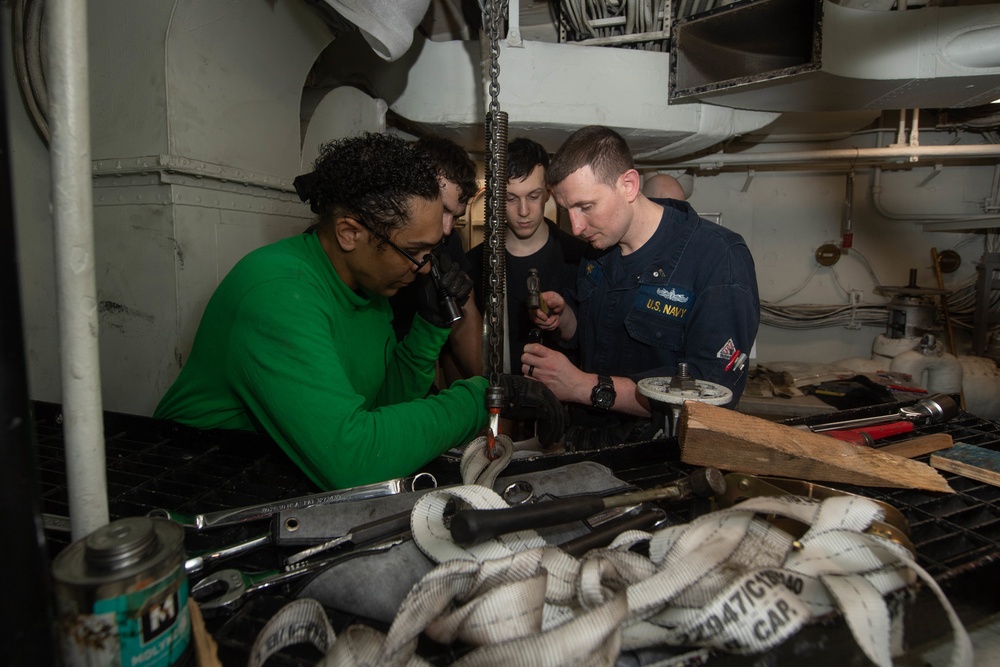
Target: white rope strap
pixel 300 622
pixel 728 580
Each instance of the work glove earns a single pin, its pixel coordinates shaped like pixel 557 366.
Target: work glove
pixel 454 281
pixel 530 399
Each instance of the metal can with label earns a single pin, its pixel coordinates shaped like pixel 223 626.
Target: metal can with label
pixel 122 596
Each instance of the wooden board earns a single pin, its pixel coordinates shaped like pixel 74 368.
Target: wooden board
pixel 714 436
pixel 970 461
pixel 914 447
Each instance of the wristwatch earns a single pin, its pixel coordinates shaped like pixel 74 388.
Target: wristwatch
pixel 603 394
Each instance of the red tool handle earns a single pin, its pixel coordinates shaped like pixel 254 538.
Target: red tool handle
pixel 857 436
pixel 880 431
pixel 852 437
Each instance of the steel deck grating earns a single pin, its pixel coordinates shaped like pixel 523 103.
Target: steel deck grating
pixel 155 464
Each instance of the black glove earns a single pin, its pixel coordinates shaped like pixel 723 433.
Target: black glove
pixel 530 399
pixel 454 281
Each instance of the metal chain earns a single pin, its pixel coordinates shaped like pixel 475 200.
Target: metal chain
pixel 496 202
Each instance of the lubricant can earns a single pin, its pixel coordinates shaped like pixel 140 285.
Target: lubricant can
pixel 122 596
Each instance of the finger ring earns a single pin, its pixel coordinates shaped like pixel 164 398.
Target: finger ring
pixel 531 370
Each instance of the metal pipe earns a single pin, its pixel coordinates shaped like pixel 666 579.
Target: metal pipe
pixel 851 156
pixel 72 210
pixel 915 217
pixel 514 23
pixel 847 232
pixel 915 129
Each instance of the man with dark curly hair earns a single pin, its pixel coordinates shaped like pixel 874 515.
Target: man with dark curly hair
pixel 297 342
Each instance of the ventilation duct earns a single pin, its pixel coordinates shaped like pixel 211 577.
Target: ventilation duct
pixel 815 55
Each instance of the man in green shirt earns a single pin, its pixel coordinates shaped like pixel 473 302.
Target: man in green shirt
pixel 297 340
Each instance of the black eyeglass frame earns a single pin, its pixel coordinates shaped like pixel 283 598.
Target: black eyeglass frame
pixel 417 263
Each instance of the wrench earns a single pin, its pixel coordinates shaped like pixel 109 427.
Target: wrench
pixel 226 589
pixel 931 410
pixel 256 512
pixel 197 562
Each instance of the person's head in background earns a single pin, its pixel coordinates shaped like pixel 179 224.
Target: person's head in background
pixel 527 193
pixel 663 186
pixel 456 175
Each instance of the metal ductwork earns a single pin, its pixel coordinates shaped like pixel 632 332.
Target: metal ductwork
pixel 815 55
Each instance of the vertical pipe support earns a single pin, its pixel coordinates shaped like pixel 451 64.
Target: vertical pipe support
pixel 514 23
pixel 72 210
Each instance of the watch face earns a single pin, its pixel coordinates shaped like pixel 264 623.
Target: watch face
pixel 603 398
pixel 603 394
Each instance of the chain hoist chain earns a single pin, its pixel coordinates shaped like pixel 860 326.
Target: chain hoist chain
pixel 496 201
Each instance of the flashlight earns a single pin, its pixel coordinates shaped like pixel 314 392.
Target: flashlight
pixel 450 312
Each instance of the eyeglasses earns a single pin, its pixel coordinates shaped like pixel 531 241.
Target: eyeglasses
pixel 419 263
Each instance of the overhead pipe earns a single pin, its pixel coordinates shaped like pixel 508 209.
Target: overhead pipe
pixel 851 156
pixel 72 211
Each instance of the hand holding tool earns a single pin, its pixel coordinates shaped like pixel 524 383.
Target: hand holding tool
pixel 931 410
pixel 469 527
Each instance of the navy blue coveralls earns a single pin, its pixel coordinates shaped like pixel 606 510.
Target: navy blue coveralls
pixel 688 294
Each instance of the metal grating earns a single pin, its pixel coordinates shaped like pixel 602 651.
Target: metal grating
pixel 156 464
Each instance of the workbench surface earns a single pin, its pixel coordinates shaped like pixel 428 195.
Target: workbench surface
pixel 156 464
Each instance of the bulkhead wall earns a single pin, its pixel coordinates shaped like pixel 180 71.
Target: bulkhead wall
pixel 195 111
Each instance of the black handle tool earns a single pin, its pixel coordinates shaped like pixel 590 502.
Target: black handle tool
pixel 604 534
pixel 469 527
pixel 450 310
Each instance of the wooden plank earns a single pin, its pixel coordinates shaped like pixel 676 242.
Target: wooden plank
pixel 714 436
pixel 914 447
pixel 970 461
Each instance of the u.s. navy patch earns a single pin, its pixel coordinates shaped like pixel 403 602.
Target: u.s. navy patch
pixel 671 302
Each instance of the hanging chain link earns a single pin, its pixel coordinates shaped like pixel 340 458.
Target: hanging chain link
pixel 496 201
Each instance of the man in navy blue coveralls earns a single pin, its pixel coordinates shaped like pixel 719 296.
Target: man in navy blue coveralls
pixel 665 287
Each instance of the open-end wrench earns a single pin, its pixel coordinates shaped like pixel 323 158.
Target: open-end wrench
pixel 225 589
pixel 422 480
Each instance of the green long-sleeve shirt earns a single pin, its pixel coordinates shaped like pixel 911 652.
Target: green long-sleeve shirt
pixel 285 347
